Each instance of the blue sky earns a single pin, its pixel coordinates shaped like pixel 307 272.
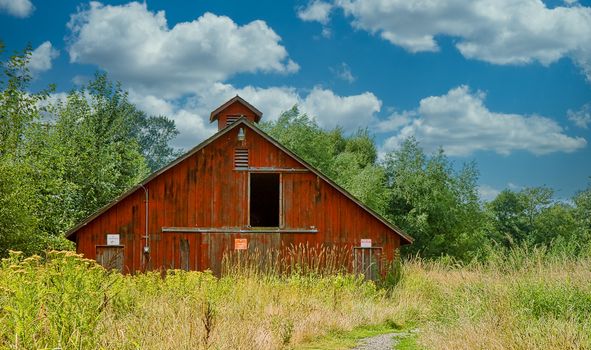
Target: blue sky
pixel 506 83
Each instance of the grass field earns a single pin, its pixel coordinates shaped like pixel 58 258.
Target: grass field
pixel 525 300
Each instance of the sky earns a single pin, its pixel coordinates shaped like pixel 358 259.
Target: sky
pixel 504 83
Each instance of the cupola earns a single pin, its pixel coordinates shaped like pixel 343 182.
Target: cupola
pixel 234 109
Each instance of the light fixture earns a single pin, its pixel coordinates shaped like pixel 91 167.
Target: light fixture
pixel 241 135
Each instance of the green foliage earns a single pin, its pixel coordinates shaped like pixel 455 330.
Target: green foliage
pixel 17 201
pixel 87 155
pixel 439 207
pixel 60 162
pixel 304 137
pixel 18 107
pixel 19 111
pixel 62 300
pixel 532 217
pixel 50 302
pixel 350 161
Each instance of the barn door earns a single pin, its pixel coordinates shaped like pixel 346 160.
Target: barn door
pixel 110 257
pixel 251 248
pixel 368 261
pixel 184 250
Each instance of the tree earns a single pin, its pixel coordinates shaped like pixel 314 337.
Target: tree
pixel 18 108
pixel 83 153
pixel 528 217
pixel 507 212
pixel 304 137
pixel 350 161
pixel 438 206
pixel 90 152
pixel 18 111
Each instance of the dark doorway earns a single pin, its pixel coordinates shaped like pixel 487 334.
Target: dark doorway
pixel 264 200
pixel 368 262
pixel 184 254
pixel 110 257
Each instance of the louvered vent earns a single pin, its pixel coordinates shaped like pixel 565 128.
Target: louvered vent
pixel 241 158
pixel 232 118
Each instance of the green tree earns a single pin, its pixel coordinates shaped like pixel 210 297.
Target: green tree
pixel 507 212
pixel 582 201
pixel 19 109
pixel 526 217
pixel 350 161
pixel 438 206
pixel 87 154
pixel 304 137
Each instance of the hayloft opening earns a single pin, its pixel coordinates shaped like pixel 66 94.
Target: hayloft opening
pixel 264 200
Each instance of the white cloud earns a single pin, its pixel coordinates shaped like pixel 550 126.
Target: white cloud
pixel 514 187
pixel 17 8
pixel 582 117
pixel 394 122
pixel 192 115
pixel 344 72
pixel 349 112
pixel 495 31
pixel 180 71
pixel 461 123
pixel 137 46
pixel 317 11
pixel 488 193
pixel 80 79
pixel 42 56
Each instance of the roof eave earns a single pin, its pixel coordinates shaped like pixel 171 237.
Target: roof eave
pixel 405 237
pixel 214 115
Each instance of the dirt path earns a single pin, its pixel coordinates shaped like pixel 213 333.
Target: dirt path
pixel 381 342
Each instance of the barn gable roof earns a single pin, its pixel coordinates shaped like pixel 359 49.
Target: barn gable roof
pixel 242 121
pixel 214 115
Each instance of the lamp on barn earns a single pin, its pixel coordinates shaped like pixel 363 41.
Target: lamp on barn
pixel 241 135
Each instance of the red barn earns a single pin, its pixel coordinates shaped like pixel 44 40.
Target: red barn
pixel 239 189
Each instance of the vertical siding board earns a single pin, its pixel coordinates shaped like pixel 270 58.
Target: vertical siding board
pixel 205 191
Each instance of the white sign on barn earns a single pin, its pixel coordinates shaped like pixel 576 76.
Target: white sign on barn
pixel 366 243
pixel 113 239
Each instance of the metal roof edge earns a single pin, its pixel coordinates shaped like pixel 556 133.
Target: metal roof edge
pixel 269 138
pixel 213 115
pixel 214 137
pixel 150 177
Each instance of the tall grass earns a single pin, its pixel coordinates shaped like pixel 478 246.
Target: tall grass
pixel 523 298
pixel 65 301
pixel 301 259
pixel 526 298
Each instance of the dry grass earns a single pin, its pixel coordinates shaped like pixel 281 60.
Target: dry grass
pixel 540 303
pixel 80 305
pixel 527 301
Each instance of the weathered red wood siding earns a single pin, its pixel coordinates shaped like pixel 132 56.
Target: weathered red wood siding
pixel 205 191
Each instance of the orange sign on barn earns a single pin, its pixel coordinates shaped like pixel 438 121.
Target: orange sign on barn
pixel 240 244
pixel 239 185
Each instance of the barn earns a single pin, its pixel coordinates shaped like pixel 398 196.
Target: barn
pixel 239 190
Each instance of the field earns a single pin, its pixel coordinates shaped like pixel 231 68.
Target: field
pixel 519 300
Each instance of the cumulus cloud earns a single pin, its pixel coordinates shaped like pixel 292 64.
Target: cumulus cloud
pixel 137 46
pixel 488 193
pixel 460 123
pixel 582 117
pixel 42 57
pixel 495 31
pixel 317 11
pixel 192 114
pixel 348 112
pixel 17 8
